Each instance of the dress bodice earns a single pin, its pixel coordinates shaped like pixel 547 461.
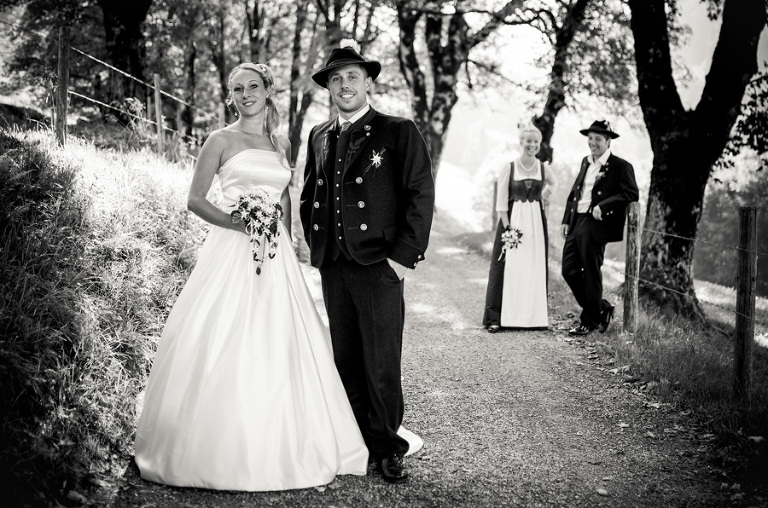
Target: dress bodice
pixel 254 168
pixel 527 189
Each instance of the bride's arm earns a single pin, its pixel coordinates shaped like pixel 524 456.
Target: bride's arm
pixel 285 202
pixel 205 169
pixel 285 197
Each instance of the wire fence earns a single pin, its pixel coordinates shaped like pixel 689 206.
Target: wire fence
pixel 112 68
pixel 619 268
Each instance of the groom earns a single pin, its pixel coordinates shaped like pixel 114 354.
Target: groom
pixel 366 208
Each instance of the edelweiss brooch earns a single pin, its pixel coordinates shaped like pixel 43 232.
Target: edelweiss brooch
pixel 377 158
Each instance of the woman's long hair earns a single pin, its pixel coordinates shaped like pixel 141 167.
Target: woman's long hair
pixel 272 118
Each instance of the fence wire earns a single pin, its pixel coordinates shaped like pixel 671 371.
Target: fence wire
pixel 100 103
pixel 113 68
pixel 162 92
pixel 699 240
pixel 687 296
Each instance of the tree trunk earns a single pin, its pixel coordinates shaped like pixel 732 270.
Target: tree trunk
pixel 125 46
pixel 219 56
pixel 188 113
pixel 448 49
pixel 557 77
pixel 686 143
pixel 255 24
pixel 297 109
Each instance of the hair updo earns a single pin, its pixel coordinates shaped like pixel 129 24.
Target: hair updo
pixel 530 129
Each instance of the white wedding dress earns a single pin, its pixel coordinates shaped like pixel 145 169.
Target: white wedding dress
pixel 243 393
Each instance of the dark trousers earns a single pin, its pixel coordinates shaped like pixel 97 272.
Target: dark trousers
pixel 582 261
pixel 366 312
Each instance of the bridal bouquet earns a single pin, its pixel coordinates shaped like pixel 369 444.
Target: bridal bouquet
pixel 261 216
pixel 510 239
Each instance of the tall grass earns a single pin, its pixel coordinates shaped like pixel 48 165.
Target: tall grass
pixel 95 246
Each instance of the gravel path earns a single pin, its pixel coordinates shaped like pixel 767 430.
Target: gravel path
pixel 520 419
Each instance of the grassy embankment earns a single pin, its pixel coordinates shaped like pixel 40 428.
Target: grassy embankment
pixel 96 245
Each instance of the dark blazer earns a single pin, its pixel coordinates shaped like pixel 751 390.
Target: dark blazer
pixel 613 191
pixel 387 195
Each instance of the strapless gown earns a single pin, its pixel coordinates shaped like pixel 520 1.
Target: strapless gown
pixel 243 393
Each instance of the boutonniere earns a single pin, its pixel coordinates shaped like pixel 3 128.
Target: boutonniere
pixel 376 159
pixel 601 173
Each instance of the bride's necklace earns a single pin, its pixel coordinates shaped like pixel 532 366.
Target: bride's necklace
pixel 530 169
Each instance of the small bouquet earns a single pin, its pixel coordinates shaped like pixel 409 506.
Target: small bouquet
pixel 510 239
pixel 261 215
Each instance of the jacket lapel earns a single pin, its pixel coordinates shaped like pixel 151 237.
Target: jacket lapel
pixel 328 137
pixel 359 138
pixel 603 171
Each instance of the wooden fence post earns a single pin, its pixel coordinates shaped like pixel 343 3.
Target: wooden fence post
pixel 746 289
pixel 149 104
pixel 631 269
pixel 158 115
pixel 62 86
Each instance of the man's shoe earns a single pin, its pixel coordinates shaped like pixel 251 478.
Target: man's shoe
pixel 392 469
pixel 580 331
pixel 605 318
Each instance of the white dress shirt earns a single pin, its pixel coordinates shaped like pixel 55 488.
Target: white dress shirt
pixel 357 116
pixel 589 182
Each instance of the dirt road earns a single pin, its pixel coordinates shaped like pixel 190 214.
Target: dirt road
pixel 519 419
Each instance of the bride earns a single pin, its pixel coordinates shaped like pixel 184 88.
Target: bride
pixel 243 393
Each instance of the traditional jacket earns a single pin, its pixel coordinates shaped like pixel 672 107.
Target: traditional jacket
pixel 387 192
pixel 614 189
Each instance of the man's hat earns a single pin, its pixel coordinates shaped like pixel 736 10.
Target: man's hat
pixel 345 56
pixel 600 127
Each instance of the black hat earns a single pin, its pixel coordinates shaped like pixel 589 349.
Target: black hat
pixel 345 56
pixel 600 127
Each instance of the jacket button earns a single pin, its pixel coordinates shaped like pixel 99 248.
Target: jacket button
pixel 599 192
pixel 315 227
pixel 359 180
pixel 319 181
pixel 317 205
pixel 361 204
pixel 363 227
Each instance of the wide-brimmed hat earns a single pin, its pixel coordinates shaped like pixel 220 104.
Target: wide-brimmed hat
pixel 345 56
pixel 600 127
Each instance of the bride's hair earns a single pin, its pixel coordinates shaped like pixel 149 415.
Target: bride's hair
pixel 272 117
pixel 529 128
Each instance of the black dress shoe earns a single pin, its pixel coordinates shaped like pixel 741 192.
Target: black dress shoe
pixel 392 469
pixel 493 328
pixel 605 318
pixel 580 330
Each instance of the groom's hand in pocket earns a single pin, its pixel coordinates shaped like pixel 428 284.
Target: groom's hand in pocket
pixel 399 269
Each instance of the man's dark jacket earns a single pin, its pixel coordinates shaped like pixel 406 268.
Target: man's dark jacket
pixel 387 191
pixel 614 189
